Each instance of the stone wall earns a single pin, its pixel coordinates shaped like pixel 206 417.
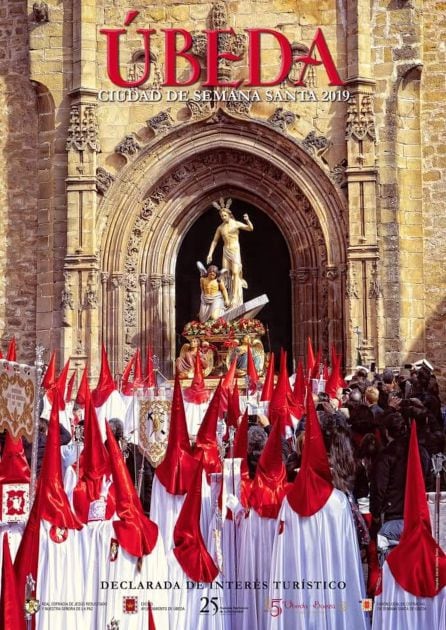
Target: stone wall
pixel 433 120
pixel 18 183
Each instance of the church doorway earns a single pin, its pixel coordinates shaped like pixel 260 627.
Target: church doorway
pixel 266 268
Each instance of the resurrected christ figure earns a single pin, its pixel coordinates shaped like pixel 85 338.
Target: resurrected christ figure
pixel 228 231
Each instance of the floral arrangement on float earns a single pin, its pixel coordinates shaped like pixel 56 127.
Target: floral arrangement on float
pixel 222 328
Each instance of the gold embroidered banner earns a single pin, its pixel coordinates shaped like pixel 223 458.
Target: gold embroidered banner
pixel 17 398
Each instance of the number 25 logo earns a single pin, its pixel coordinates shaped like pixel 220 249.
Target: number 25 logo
pixel 213 601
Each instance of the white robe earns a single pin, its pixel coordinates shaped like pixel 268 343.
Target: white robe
pixel 322 547
pixel 113 407
pixel 256 547
pixel 60 581
pixel 102 574
pixel 396 608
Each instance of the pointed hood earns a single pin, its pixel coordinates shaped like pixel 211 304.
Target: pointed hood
pixel 126 386
pixel 313 485
pixel 81 397
pixel 241 437
pixel 136 533
pixel 233 408
pixel 137 374
pixel 282 403
pixel 311 361
pixel 51 500
pixel 241 450
pixel 251 371
pixel 106 384
pixel 94 464
pixel 334 380
pixel 190 549
pixel 417 548
pixel 69 394
pixel 270 484
pixel 299 385
pixel 13 465
pixel 61 385
pixel 50 504
pixel 151 619
pixel 197 392
pixel 12 350
pixel 227 386
pixel 150 380
pixel 268 385
pixel 206 443
pixel 50 374
pixel 178 465
pixel 317 363
pixel 11 606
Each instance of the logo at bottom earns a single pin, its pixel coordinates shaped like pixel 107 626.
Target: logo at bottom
pixel 130 605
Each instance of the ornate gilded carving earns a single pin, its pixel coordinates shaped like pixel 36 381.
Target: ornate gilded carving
pixel 161 122
pixel 129 146
pixel 360 118
pixel 104 180
pixel 281 119
pixel 83 130
pixel 316 145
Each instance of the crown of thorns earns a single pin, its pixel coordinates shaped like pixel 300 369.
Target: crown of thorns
pixel 221 204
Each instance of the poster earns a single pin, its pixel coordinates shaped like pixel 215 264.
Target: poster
pixel 126 124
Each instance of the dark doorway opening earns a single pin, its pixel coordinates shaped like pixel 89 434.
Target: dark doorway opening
pixel 266 267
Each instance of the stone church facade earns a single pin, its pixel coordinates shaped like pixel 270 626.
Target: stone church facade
pixel 97 195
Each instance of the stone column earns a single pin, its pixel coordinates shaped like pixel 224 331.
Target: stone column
pixel 363 256
pixel 168 319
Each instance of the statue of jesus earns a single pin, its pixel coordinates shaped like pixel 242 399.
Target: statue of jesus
pixel 228 231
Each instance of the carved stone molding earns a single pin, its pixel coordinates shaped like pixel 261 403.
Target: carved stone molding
pixel 66 300
pixel 104 277
pixel 161 122
pixel 351 287
pixel 117 279
pixel 83 130
pixel 338 175
pixel 281 119
pixel 155 281
pixel 300 276
pixel 227 43
pixel 91 297
pixel 167 280
pixel 199 109
pixel 360 118
pixel 40 12
pixel 375 290
pixel 143 278
pixel 241 107
pixel 332 273
pixel 128 146
pixel 104 180
pixel 316 145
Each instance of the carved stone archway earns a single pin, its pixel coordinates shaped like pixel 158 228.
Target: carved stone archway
pixel 168 183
